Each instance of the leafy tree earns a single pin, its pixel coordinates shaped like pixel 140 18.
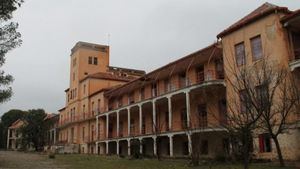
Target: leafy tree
pixel 9 39
pixel 6 120
pixel 33 132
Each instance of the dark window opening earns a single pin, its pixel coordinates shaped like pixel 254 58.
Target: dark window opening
pixel 183 118
pixel 265 143
pixel 200 74
pixel 204 147
pixel 202 115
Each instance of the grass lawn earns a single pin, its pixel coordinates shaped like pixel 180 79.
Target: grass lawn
pixel 101 162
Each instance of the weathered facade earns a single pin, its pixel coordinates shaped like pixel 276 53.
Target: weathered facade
pixel 111 110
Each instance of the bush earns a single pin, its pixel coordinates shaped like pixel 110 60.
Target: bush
pixel 51 155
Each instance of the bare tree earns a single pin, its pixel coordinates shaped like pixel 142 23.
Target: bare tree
pixel 278 96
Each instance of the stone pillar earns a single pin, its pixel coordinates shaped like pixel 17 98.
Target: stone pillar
pixel 170 112
pixel 154 115
pixel 106 148
pixel 141 146
pixel 190 144
pixel 118 147
pixel 107 125
pixel 128 113
pixel 140 118
pixel 128 146
pixel 8 132
pixel 188 109
pixel 171 145
pixel 154 146
pixel 118 124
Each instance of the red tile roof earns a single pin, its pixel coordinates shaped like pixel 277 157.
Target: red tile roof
pixel 258 13
pixel 211 51
pixel 17 124
pixel 109 76
pixel 291 16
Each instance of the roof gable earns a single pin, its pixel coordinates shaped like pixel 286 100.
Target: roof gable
pixel 263 10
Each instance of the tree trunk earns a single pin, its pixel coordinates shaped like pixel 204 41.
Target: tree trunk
pixel 279 154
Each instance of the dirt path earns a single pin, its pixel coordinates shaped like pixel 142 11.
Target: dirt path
pixel 20 160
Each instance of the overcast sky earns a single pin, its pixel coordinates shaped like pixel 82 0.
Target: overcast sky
pixel 144 34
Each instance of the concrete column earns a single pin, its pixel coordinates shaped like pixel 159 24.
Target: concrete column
pixel 118 147
pixel 97 128
pixel 154 146
pixel 128 146
pixel 118 124
pixel 106 148
pixel 107 125
pixel 8 132
pixel 140 118
pixel 141 146
pixel 188 108
pixel 171 145
pixel 190 144
pixel 128 113
pixel 154 115
pixel 170 112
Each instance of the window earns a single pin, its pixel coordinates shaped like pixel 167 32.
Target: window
pixel 264 143
pixel 182 80
pixel 240 54
pixel 73 76
pixel 167 121
pixel 200 74
pixel 204 147
pixel 223 111
pixel 95 61
pixel 183 118
pixel 167 85
pixel 202 115
pixel 256 47
pixel 262 95
pixel 154 90
pixel 244 101
pixel 131 98
pixel 142 93
pixel 84 86
pixel 132 126
pixel 98 110
pixel 120 103
pixel 83 133
pixel 90 60
pixel 93 109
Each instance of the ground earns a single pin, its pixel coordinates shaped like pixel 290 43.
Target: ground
pixel 20 160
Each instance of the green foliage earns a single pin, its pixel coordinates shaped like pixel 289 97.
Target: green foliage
pixel 33 132
pixel 6 120
pixel 9 39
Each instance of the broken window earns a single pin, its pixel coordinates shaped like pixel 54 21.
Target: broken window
pixel 240 56
pixel 256 47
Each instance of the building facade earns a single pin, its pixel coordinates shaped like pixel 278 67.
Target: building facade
pixel 180 106
pixel 14 136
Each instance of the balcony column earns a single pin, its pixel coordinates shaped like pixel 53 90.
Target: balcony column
pixel 128 146
pixel 170 111
pixel 154 115
pixel 97 128
pixel 141 146
pixel 171 145
pixel 118 147
pixel 154 146
pixel 8 132
pixel 188 108
pixel 118 124
pixel 140 118
pixel 190 144
pixel 128 115
pixel 106 151
pixel 107 125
